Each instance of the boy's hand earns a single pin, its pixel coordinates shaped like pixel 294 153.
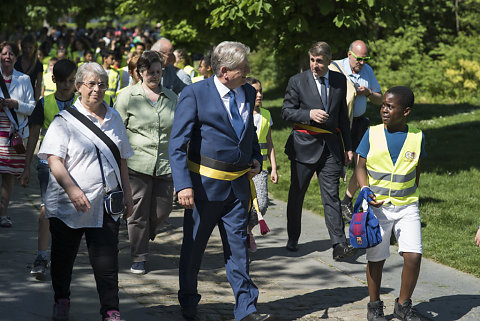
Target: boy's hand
pixel 274 176
pixel 371 198
pixel 477 238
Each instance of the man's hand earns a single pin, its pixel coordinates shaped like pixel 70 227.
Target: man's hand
pixel 24 178
pixel 318 116
pixel 255 169
pixel 348 157
pixel 185 198
pixel 363 91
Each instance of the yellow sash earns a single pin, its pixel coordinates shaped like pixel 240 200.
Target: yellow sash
pixel 225 176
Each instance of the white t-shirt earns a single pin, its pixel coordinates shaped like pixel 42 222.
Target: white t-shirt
pixel 81 161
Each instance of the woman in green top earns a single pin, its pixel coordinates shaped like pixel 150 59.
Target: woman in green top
pixel 147 110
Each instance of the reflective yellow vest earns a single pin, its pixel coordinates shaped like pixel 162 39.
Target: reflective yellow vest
pixel 262 131
pixel 50 86
pixel 393 183
pixel 190 71
pixel 113 79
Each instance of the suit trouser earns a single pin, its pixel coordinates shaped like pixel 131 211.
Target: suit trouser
pixel 231 216
pixel 102 244
pixel 152 204
pixel 328 171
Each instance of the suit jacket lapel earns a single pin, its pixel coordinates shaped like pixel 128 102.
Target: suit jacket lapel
pixel 314 89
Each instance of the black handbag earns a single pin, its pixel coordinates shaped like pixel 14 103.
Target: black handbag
pixel 113 200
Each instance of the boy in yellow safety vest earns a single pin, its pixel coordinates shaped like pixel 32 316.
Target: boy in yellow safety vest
pixel 43 114
pixel 388 168
pixel 262 121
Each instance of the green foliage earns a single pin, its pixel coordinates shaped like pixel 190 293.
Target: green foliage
pixel 447 73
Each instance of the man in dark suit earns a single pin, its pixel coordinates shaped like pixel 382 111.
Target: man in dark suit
pixel 319 143
pixel 213 152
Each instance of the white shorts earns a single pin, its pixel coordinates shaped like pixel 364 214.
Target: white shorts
pixel 405 222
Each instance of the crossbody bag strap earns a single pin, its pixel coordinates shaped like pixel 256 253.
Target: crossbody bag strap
pixel 6 94
pixel 97 131
pixel 101 170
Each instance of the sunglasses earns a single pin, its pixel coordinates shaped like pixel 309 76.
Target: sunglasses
pixel 360 59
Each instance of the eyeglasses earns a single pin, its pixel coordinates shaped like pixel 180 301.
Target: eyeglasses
pixel 92 84
pixel 360 59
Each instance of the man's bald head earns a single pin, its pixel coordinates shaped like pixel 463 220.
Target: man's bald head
pixel 359 49
pixel 165 49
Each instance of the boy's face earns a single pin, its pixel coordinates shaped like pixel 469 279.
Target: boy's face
pixel 66 87
pixel 393 114
pixel 109 60
pixel 88 56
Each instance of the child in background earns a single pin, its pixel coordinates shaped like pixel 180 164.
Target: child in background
pixel 45 110
pixel 262 120
pixel 393 150
pixel 49 85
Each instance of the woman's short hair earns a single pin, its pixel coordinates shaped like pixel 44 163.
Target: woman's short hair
pixel 321 49
pixel 146 60
pixel 229 54
pixel 89 68
pixel 11 45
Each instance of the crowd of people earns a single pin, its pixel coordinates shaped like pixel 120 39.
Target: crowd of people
pixel 126 123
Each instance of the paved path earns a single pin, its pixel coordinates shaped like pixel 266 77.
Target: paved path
pixel 307 285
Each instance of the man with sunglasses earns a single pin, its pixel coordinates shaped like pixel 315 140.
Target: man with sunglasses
pixel 361 75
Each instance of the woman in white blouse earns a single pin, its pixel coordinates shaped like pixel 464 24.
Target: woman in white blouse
pixel 74 201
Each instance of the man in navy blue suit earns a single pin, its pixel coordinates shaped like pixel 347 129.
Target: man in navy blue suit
pixel 213 152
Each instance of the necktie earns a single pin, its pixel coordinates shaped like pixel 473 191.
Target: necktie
pixel 323 92
pixel 237 121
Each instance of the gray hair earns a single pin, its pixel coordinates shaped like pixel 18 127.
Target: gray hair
pixel 89 68
pixel 229 54
pixel 157 46
pixel 321 49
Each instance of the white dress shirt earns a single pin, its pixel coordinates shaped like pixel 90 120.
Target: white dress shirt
pixel 239 99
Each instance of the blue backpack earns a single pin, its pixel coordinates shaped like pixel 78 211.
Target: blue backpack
pixel 364 228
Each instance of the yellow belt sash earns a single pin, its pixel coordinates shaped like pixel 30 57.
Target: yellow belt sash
pixel 318 130
pixel 225 176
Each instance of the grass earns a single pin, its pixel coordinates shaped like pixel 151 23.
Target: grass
pixel 449 184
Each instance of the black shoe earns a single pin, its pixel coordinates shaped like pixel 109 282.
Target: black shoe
pixel 405 311
pixel 257 317
pixel 375 311
pixel 342 250
pixel 292 245
pixel 189 313
pixel 347 211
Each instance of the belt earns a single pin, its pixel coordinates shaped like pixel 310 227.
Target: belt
pixel 215 169
pixel 312 130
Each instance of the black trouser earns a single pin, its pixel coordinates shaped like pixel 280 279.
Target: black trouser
pixel 102 246
pixel 328 171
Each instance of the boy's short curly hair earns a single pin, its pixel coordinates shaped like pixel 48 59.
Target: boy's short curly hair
pixel 405 95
